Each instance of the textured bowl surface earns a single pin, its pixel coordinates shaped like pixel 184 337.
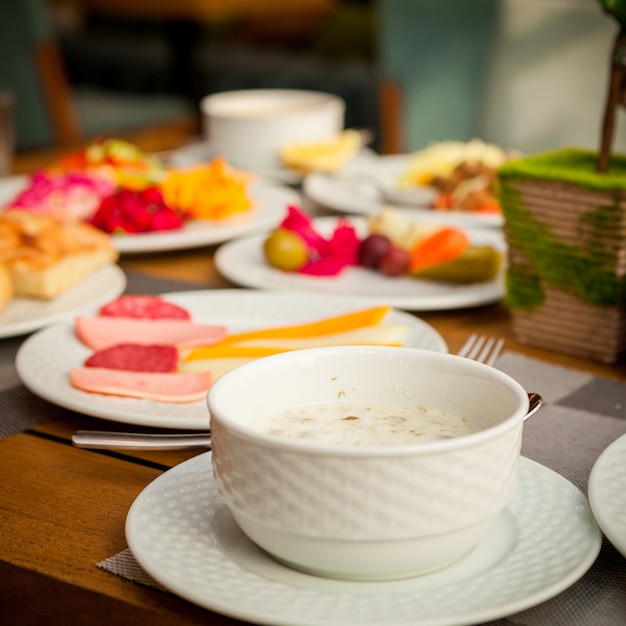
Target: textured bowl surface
pixel 374 511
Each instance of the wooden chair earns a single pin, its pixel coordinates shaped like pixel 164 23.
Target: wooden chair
pixel 49 112
pixel 392 126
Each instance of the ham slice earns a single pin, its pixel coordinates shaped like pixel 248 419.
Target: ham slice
pixel 103 332
pixel 157 386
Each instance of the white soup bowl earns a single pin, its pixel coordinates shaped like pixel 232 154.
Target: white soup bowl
pixel 368 512
pixel 250 127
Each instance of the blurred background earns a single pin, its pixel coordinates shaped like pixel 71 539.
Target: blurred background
pixel 525 74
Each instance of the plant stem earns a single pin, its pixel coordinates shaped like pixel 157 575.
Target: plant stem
pixel 616 97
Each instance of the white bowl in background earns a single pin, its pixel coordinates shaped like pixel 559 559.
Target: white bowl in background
pixel 250 126
pixel 373 512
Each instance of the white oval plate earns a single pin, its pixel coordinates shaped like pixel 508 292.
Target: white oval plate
pixel 350 192
pixel 607 493
pixel 44 360
pixel 270 205
pixel 24 315
pixel 186 539
pixel 270 201
pixel 242 261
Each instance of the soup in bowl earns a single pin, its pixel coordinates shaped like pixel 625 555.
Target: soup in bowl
pixel 366 463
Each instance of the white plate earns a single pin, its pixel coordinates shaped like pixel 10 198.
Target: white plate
pixel 270 200
pixel 242 262
pixel 350 191
pixel 607 493
pixel 201 151
pixel 185 538
pixel 44 360
pixel 24 315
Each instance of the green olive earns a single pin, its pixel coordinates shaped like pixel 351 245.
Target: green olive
pixel 285 250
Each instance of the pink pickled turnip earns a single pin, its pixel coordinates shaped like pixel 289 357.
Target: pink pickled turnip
pixel 327 256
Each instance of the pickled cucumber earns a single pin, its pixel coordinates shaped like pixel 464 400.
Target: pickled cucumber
pixel 476 264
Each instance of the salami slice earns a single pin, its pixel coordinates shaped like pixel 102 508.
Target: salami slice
pixel 144 307
pixel 134 357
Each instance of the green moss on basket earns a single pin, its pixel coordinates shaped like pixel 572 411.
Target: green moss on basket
pixel 523 289
pixel 605 218
pixel 573 166
pixel 586 272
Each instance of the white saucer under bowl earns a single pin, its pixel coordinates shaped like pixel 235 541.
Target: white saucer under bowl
pixel 186 539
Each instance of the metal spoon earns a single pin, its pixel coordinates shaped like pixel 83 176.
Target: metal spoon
pixel 95 439
pixel 534 403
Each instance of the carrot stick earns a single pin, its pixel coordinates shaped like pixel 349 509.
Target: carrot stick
pixel 446 244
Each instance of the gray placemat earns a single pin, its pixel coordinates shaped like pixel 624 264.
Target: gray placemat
pixel 581 416
pixel 146 284
pixel 124 564
pixel 21 410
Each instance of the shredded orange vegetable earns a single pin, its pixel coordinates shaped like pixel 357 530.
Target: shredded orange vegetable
pixel 209 192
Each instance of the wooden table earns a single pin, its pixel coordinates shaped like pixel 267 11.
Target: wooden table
pixel 62 509
pixel 54 527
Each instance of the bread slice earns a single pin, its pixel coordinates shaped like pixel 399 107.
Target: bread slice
pixel 6 287
pixel 45 256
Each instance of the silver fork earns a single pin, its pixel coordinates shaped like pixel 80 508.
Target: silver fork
pixel 487 350
pixel 483 349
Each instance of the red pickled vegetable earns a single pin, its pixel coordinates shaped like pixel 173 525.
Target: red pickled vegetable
pixel 300 223
pixel 129 211
pixel 327 257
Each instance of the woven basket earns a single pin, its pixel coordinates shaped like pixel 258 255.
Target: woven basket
pixel 566 284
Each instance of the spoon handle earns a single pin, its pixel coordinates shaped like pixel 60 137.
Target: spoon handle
pixel 94 439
